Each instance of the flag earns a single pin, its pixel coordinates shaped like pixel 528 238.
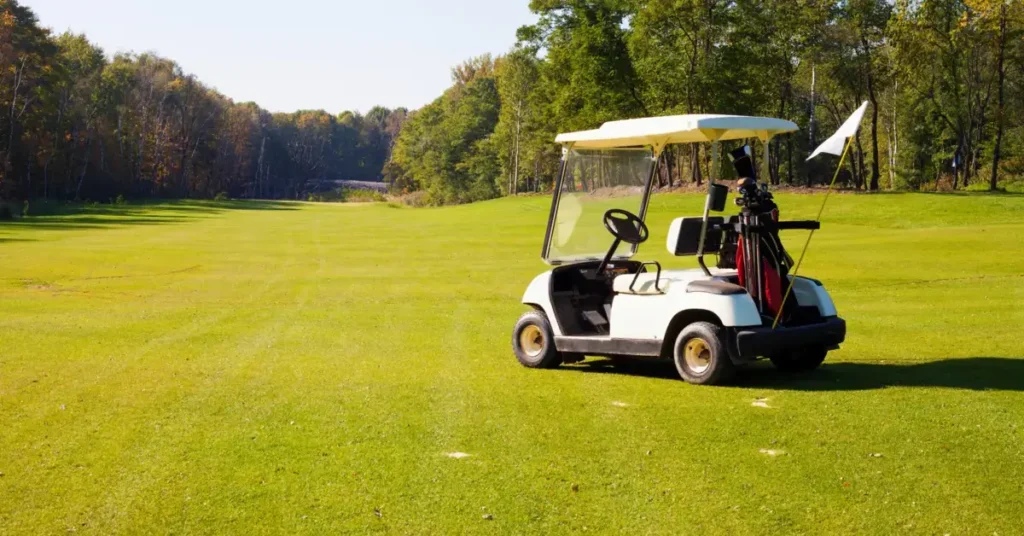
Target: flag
pixel 837 142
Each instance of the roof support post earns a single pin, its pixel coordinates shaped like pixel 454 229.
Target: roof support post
pixel 712 176
pixel 656 155
pixel 555 197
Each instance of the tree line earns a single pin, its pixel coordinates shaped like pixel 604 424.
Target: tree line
pixel 944 78
pixel 75 124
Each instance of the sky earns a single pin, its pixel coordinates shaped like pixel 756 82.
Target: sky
pixel 302 54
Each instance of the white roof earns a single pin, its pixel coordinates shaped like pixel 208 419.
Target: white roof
pixel 661 131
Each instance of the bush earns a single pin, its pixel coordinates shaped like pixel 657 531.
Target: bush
pixel 222 196
pixel 1013 185
pixel 979 187
pixel 415 199
pixel 120 200
pixel 364 196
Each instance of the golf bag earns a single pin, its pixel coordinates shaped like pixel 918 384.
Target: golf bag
pixel 751 244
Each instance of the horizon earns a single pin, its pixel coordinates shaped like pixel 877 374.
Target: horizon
pixel 404 62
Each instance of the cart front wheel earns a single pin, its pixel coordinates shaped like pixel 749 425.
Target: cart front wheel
pixel 534 343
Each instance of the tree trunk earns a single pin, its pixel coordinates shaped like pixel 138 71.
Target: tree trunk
pixel 508 183
pixel 858 160
pixel 18 77
pixel 678 154
pixel 536 174
pixel 874 116
pixel 994 179
pixel 892 142
pixel 515 161
pixel 789 156
pixel 670 160
pixel 957 166
pixel 85 166
pixel 776 175
pixel 53 149
pixel 695 168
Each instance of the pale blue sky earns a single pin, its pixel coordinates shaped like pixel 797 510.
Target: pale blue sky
pixel 294 54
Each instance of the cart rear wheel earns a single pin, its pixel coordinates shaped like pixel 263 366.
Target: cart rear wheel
pixel 534 343
pixel 700 355
pixel 800 360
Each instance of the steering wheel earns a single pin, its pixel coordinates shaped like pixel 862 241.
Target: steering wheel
pixel 626 227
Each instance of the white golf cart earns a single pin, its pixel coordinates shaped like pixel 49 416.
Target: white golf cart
pixel 598 301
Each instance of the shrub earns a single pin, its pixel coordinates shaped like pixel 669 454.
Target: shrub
pixel 364 196
pixel 1014 186
pixel 979 187
pixel 120 200
pixel 415 199
pixel 222 196
pixel 332 196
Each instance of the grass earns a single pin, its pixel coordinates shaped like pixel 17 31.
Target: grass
pixel 302 368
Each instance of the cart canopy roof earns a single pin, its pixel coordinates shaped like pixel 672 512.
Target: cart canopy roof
pixel 659 132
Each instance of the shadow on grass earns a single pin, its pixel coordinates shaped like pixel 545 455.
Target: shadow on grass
pixel 970 373
pixel 77 216
pixel 89 222
pixel 958 193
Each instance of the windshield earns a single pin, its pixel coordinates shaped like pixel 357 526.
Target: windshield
pixel 595 181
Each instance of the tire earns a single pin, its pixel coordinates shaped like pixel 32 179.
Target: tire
pixel 534 343
pixel 700 355
pixel 800 360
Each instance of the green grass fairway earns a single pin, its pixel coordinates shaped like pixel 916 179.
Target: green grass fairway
pixel 300 368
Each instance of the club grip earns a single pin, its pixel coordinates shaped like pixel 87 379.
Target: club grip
pixel 809 225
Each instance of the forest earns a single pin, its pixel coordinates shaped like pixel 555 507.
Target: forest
pixel 76 124
pixel 944 79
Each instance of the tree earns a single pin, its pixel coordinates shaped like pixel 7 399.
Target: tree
pixel 945 79
pixel 26 56
pixel 588 70
pixel 445 148
pixel 517 78
pixel 1001 19
pixel 871 18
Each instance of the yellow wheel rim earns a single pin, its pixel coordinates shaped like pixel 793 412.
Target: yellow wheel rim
pixel 697 355
pixel 531 340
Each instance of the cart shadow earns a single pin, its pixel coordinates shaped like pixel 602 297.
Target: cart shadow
pixel 968 373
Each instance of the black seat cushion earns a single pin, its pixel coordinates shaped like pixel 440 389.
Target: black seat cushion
pixel 715 287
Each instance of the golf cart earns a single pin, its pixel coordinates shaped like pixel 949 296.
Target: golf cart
pixel 599 301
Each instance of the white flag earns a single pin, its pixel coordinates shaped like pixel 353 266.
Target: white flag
pixel 835 144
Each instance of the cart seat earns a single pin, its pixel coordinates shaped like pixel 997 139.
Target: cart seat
pixel 645 284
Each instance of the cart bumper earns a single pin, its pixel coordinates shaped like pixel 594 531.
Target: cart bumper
pixel 764 341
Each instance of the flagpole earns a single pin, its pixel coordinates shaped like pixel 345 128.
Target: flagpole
pixel 796 269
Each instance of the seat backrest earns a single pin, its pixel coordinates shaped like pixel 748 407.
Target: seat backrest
pixel 684 236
